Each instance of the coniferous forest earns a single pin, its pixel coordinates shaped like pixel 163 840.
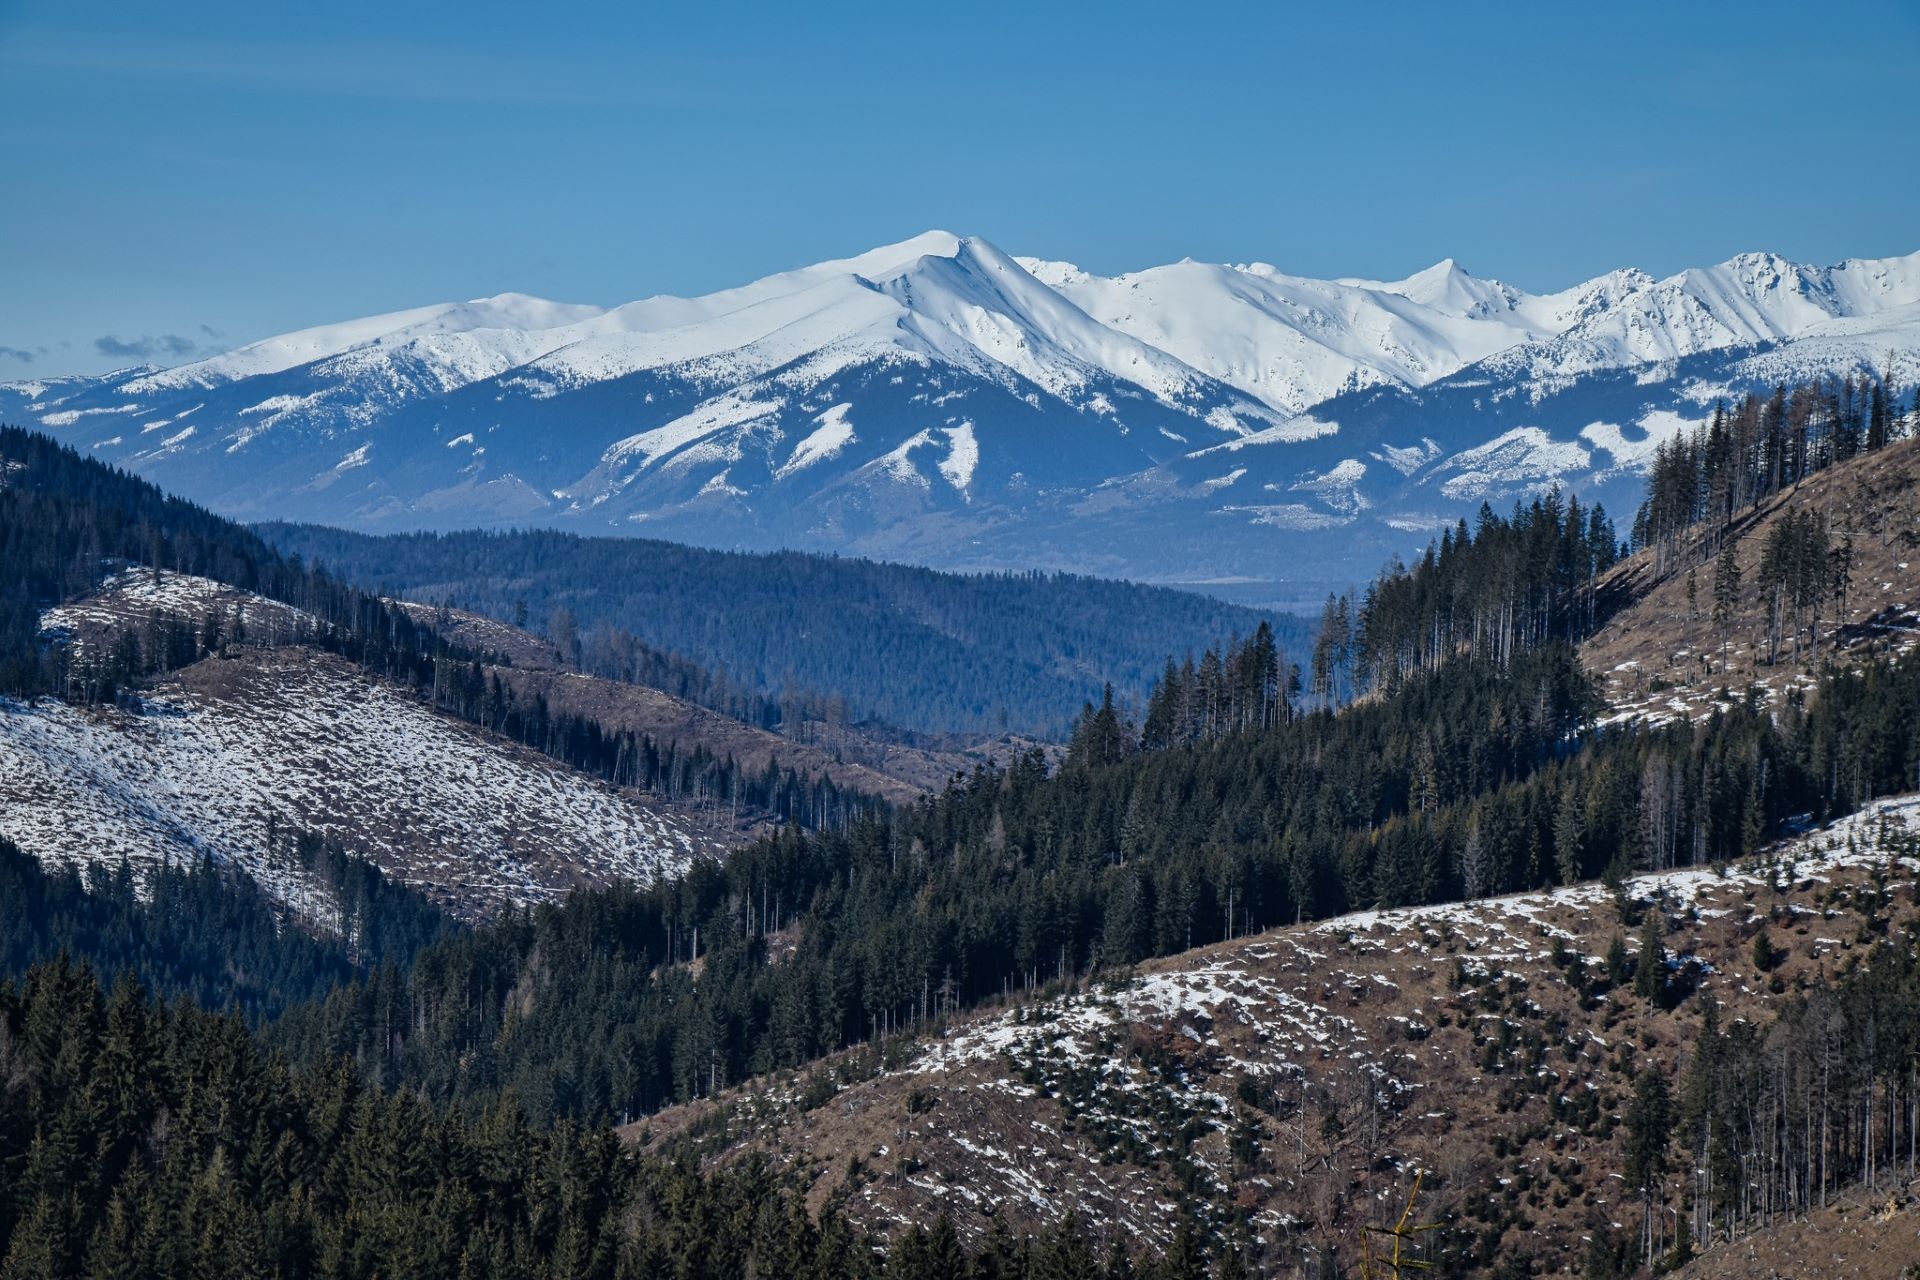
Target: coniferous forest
pixel 1759 447
pixel 144 1139
pixel 776 634
pixel 196 1083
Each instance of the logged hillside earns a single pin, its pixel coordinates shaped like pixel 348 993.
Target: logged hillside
pixel 116 584
pixel 232 757
pixel 1826 569
pixel 1858 1237
pixel 935 652
pixel 271 730
pixel 1285 1087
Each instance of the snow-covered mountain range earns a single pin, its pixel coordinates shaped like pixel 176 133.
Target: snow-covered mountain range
pixel 940 401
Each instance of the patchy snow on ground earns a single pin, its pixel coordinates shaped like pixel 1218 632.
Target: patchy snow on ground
pixel 1254 1079
pixel 309 742
pixel 1283 990
pixel 131 596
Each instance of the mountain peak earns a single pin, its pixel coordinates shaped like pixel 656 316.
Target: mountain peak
pixel 1041 383
pixel 1053 274
pixel 512 310
pixel 928 244
pixel 509 298
pixel 1436 282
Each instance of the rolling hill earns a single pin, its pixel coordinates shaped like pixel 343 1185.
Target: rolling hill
pixel 944 659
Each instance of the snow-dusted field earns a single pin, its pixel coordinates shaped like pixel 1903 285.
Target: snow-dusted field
pixel 132 596
pixel 311 742
pixel 1236 981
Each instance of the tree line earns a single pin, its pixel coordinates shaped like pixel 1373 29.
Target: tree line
pixel 1700 483
pixel 1492 591
pixel 624 757
pixel 1495 591
pixel 1761 446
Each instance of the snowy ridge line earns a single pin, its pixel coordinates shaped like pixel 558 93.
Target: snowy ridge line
pixel 1285 341
pixel 940 402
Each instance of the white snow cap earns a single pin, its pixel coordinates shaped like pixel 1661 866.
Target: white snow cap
pixel 1286 342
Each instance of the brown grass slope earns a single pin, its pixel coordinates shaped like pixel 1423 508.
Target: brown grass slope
pixel 1858 1239
pixel 1300 1076
pixel 1660 654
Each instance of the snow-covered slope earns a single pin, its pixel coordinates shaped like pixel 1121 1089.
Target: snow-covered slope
pixel 469 339
pixel 132 598
pixel 938 400
pixel 298 739
pixel 1291 341
pixel 1753 299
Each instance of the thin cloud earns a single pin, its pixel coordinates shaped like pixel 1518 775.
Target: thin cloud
pixel 146 347
pixel 15 353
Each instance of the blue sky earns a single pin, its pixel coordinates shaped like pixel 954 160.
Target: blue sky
pixel 185 177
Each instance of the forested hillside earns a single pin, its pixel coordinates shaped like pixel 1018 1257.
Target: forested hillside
pixel 1587 1080
pixel 140 1139
pixel 1439 739
pixel 1012 881
pixel 938 652
pixel 72 525
pixel 209 933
